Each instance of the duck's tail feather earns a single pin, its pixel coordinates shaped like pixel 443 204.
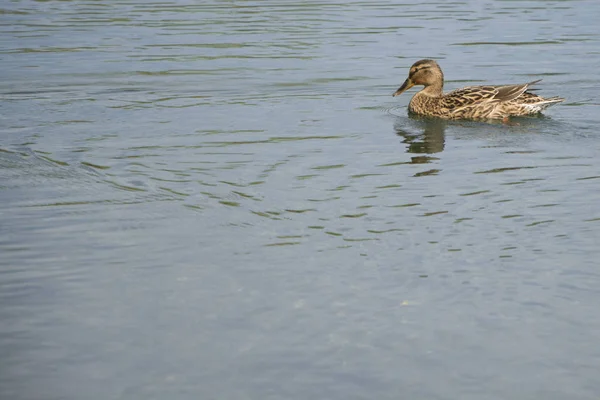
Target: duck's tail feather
pixel 545 103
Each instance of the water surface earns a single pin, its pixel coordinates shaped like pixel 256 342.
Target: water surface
pixel 223 200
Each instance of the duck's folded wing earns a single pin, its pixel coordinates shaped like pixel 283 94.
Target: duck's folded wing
pixel 468 96
pixel 483 94
pixel 511 92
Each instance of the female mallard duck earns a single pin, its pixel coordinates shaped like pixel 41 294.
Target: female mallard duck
pixel 473 102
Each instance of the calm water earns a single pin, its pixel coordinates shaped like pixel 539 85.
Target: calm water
pixel 223 201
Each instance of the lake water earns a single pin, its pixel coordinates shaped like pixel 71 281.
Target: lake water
pixel 222 200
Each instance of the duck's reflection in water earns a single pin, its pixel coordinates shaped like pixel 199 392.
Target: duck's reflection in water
pixel 423 136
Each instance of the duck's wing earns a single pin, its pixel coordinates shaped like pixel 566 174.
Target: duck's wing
pixel 511 92
pixel 472 95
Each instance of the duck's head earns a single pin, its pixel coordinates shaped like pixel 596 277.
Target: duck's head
pixel 423 72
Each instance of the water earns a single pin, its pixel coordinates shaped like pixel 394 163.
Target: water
pixel 222 200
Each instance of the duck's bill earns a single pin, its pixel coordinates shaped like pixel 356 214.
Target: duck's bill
pixel 405 86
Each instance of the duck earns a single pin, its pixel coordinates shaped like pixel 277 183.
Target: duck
pixel 472 102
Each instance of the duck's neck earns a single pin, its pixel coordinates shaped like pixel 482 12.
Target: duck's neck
pixel 433 90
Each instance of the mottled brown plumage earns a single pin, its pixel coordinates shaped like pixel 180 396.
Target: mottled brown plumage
pixel 473 102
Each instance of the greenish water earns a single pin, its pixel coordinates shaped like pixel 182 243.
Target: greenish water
pixel 223 201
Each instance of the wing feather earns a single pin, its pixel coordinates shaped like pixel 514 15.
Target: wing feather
pixel 511 92
pixel 482 94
